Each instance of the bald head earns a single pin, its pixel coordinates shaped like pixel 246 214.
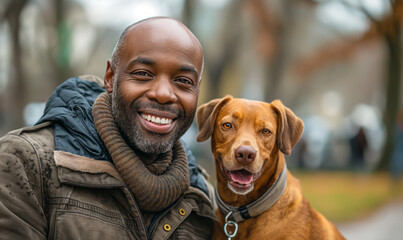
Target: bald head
pixel 155 28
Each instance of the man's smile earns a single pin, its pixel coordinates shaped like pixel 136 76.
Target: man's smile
pixel 157 121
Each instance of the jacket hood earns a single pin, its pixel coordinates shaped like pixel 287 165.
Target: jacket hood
pixel 70 108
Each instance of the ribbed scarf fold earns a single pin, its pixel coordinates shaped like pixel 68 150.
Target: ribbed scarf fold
pixel 154 186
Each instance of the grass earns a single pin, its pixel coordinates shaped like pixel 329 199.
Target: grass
pixel 344 196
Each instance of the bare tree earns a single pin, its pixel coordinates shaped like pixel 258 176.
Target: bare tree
pixel 17 93
pixel 388 28
pixel 270 36
pixel 225 41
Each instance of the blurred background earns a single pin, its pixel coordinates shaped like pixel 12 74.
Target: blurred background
pixel 335 63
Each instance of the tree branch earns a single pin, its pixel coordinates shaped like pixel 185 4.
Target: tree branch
pixel 362 9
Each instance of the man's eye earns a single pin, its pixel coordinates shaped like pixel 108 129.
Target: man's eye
pixel 184 81
pixel 142 73
pixel 142 76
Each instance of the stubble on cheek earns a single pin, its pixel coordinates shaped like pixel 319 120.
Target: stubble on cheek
pixel 135 135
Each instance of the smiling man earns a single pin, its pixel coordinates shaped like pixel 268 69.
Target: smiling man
pixel 105 160
pixel 157 80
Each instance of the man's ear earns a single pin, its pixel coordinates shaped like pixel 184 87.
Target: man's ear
pixel 206 116
pixel 290 127
pixel 108 78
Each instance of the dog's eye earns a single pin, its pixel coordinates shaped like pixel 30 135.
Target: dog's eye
pixel 227 125
pixel 266 131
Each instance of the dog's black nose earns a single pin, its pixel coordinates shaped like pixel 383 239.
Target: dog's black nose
pixel 245 154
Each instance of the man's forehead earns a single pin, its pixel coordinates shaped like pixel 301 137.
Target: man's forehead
pixel 160 34
pixel 161 27
pixel 156 21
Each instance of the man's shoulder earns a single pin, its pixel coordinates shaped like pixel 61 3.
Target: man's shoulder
pixel 32 138
pixel 23 154
pixel 44 129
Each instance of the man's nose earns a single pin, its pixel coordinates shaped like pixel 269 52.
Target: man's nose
pixel 162 91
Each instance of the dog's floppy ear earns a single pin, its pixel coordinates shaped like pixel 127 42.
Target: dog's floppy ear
pixel 206 116
pixel 290 127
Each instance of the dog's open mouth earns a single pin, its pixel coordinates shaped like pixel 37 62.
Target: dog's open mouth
pixel 240 181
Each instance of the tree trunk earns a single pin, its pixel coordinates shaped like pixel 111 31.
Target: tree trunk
pixel 228 45
pixel 17 91
pixel 275 67
pixel 62 65
pixel 392 96
pixel 187 13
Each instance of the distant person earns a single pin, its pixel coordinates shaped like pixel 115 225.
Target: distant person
pixel 396 165
pixel 359 145
pixel 301 152
pixel 105 160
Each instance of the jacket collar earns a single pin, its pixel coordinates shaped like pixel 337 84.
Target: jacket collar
pixel 82 171
pixel 254 209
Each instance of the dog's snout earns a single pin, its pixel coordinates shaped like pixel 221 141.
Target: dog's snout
pixel 245 154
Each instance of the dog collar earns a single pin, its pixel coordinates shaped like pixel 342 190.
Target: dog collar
pixel 263 203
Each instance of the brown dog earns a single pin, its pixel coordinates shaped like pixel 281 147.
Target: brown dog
pixel 255 192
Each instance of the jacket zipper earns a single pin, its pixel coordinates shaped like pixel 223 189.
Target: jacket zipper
pixel 153 225
pixel 131 198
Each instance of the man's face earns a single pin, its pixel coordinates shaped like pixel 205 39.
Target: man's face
pixel 156 86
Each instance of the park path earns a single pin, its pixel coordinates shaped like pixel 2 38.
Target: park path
pixel 384 224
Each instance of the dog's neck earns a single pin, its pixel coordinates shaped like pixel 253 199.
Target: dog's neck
pixel 270 174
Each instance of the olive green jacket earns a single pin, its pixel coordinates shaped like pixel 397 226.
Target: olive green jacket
pixel 48 194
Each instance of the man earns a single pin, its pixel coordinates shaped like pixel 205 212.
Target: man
pixel 110 165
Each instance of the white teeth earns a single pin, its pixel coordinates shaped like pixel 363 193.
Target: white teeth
pixel 157 120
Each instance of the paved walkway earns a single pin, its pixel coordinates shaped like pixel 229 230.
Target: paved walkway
pixel 385 224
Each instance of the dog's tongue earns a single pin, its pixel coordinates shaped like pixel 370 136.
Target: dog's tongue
pixel 241 176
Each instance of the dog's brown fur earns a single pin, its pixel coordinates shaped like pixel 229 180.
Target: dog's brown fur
pixel 291 217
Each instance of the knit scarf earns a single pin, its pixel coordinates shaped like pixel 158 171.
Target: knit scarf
pixel 155 186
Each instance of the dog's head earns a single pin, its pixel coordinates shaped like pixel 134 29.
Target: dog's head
pixel 247 137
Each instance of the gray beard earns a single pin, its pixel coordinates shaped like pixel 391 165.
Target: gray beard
pixel 134 137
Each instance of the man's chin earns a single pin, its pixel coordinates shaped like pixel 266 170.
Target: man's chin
pixel 152 143
pixel 153 147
